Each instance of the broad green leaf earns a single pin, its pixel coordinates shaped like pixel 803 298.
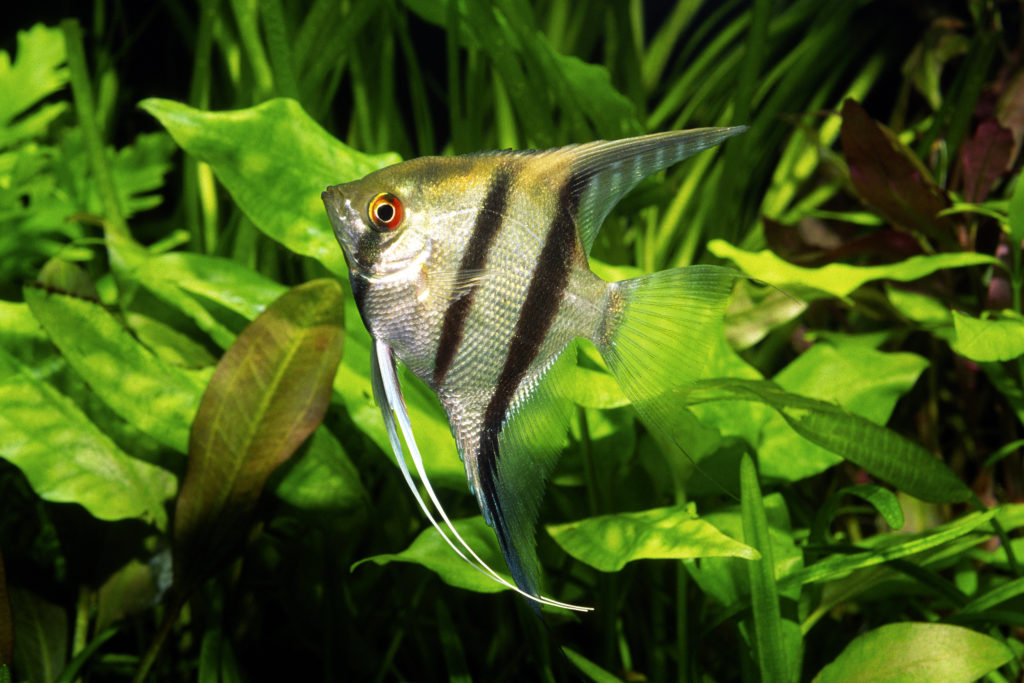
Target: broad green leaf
pixel 41 637
pixel 39 427
pixel 429 550
pixel 275 161
pixel 989 339
pixel 130 590
pixel 269 392
pixel 918 652
pixel 776 655
pixel 838 279
pixel 608 542
pixel 322 478
pixel 881 452
pixel 158 398
pixel 888 547
pixel 38 71
pixel 920 308
pixel 862 380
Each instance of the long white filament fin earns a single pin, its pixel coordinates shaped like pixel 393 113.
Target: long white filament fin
pixel 394 405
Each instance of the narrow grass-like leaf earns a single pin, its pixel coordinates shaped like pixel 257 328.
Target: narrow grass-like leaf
pixel 158 398
pixel 862 380
pixel 269 392
pixel 40 427
pixel 882 499
pixel 889 548
pixel 275 161
pixel 608 542
pixel 589 669
pixel 919 652
pixel 839 279
pixel 989 339
pixel 881 452
pixel 770 651
pixel 429 550
pixel 994 597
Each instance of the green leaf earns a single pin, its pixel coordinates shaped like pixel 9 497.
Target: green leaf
pixel 918 652
pixel 37 72
pixel 268 393
pixel 158 398
pixel 429 550
pixel 990 339
pixel 862 380
pixel 882 499
pixel 881 452
pixel 608 542
pixel 838 279
pixel 773 655
pixel 275 161
pixel 41 637
pixel 39 427
pixel 591 670
pixel 1017 212
pixel 322 478
pixel 888 547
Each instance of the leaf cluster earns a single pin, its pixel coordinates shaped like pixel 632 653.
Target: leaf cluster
pixel 192 485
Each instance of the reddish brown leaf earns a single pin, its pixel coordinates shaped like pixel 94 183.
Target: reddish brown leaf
pixel 890 178
pixel 268 393
pixel 984 159
pixel 1010 111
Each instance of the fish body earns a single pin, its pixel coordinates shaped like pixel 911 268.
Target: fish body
pixel 472 270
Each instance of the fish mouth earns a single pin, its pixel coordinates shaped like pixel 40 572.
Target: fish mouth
pixel 344 221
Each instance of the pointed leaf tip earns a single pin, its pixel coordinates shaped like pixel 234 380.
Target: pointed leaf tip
pixel 269 392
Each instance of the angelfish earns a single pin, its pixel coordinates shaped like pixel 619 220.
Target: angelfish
pixel 472 270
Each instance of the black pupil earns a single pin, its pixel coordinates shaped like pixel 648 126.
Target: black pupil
pixel 385 212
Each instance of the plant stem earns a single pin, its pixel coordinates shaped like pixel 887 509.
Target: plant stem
pixel 170 616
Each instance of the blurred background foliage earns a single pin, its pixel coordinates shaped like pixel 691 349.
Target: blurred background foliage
pixel 877 193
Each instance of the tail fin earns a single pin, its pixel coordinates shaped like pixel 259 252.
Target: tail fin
pixel 657 333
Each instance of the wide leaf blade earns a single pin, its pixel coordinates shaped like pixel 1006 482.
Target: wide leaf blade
pixel 269 392
pixel 273 145
pixel 608 542
pixel 917 652
pixel 65 456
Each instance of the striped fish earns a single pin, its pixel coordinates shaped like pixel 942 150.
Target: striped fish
pixel 472 270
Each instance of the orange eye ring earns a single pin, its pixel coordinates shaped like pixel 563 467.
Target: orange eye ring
pixel 385 212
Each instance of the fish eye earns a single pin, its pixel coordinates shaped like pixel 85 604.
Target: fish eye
pixel 385 212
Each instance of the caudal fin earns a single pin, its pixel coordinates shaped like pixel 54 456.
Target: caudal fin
pixel 658 332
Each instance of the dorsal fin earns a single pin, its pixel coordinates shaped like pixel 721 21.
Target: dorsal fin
pixel 607 170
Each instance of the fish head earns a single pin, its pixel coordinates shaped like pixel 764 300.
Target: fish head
pixel 379 221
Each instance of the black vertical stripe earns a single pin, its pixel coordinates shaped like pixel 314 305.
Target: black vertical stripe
pixel 537 315
pixel 474 258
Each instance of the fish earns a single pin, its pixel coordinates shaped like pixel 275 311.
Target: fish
pixel 473 271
